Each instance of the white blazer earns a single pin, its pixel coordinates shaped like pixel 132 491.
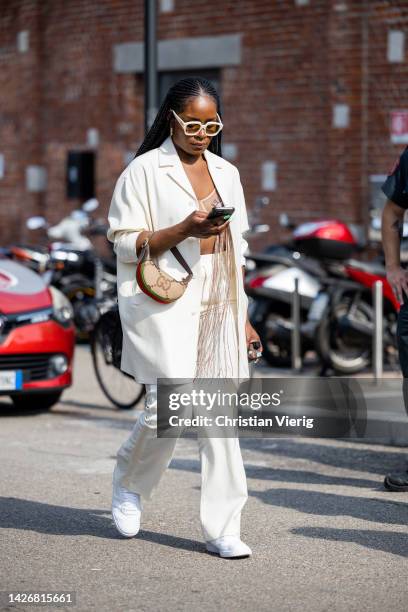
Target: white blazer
pixel 154 192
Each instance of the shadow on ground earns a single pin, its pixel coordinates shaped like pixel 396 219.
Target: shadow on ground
pixel 27 515
pixel 391 542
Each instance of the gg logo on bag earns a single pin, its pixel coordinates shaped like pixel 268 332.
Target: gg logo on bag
pixel 163 282
pixel 158 284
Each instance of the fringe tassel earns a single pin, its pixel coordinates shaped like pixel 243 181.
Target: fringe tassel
pixel 216 357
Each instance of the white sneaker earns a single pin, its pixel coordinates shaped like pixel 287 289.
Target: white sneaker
pixel 229 546
pixel 126 510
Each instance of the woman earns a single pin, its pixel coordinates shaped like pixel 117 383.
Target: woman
pixel 165 195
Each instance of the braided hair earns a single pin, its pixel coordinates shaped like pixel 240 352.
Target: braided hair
pixel 176 98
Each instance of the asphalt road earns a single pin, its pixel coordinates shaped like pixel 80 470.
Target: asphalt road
pixel 324 533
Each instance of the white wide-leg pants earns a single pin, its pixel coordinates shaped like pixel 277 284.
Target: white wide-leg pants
pixel 143 458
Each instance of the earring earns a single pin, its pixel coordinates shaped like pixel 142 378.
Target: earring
pixel 171 130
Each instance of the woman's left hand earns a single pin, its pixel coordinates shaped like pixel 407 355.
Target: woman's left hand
pixel 252 336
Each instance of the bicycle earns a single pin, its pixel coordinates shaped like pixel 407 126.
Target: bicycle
pixel 106 348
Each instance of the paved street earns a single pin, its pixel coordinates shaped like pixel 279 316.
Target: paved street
pixel 324 533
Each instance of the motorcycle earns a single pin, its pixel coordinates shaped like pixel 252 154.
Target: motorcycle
pixel 313 257
pixel 70 263
pixel 344 334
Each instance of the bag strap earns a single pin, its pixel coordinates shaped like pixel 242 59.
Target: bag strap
pixel 174 250
pixel 181 260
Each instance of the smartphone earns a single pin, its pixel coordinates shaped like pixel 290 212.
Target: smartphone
pixel 221 211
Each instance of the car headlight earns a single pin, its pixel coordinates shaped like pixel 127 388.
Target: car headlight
pixel 58 364
pixel 63 311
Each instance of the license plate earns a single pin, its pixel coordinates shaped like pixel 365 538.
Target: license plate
pixel 10 380
pixel 317 307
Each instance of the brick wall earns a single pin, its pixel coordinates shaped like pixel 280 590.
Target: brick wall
pixel 303 63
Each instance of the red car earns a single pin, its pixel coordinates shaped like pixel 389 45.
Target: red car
pixel 37 338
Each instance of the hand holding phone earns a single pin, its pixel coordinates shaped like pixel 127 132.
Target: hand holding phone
pixel 221 211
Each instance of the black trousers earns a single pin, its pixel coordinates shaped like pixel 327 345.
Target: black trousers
pixel 402 340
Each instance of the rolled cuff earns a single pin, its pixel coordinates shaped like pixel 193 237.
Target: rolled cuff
pixel 244 248
pixel 125 246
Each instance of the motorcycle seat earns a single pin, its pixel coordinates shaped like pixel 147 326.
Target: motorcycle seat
pixel 371 267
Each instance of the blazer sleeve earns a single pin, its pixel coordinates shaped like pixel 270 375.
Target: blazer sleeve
pixel 244 225
pixel 128 213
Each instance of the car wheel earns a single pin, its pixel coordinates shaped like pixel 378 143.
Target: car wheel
pixel 37 402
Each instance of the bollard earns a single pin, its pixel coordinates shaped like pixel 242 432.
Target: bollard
pixel 295 338
pixel 378 351
pixel 98 278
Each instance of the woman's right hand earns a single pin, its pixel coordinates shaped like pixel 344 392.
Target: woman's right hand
pixel 198 226
pixel 398 279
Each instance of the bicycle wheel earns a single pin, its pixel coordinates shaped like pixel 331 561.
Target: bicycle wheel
pixel 120 388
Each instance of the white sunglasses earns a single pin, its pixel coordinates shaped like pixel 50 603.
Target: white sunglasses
pixel 192 128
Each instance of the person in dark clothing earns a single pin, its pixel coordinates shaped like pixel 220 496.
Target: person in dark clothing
pixel 396 189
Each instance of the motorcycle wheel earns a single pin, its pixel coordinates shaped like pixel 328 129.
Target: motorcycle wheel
pixel 78 296
pixel 333 349
pixel 275 354
pixel 120 388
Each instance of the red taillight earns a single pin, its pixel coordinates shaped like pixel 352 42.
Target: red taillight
pixel 20 253
pixel 258 281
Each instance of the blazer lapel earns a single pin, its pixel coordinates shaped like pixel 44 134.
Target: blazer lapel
pixel 219 175
pixel 168 157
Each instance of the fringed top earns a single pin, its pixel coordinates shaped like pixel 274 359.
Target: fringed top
pixel 218 334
